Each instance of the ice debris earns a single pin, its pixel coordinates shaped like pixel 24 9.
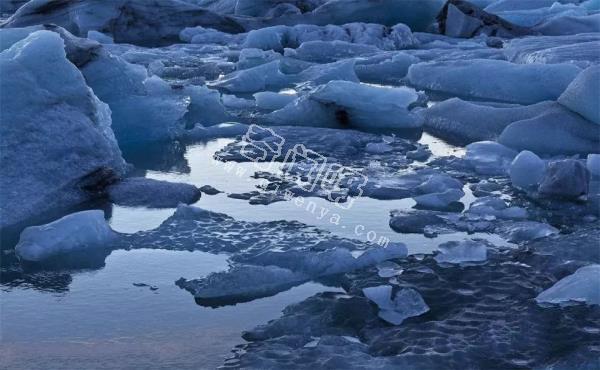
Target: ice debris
pixel 141 191
pixel 406 303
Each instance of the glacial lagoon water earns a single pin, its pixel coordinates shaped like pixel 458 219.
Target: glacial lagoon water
pixel 130 311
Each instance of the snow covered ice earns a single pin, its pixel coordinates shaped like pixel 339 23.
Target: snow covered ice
pixel 346 184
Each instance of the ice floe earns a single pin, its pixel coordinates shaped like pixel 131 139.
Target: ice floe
pixel 77 232
pixel 141 191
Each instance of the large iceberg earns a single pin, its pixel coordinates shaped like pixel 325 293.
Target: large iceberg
pixel 77 232
pixel 504 81
pixel 58 148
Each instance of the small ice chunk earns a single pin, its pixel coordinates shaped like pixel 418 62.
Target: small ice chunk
pixel 75 232
pixel 230 129
pixel 272 100
pixel 496 207
pixel 407 303
pixel 463 251
pixel 526 170
pixel 582 286
pixel 439 201
pixel 489 157
pixel 241 283
pixel 141 191
pixel 568 178
pixel 582 94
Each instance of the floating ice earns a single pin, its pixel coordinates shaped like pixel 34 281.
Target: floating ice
pixel 466 122
pixel 526 170
pixel 407 303
pixel 352 105
pixel 240 284
pixel 463 19
pixel 505 81
pixel 128 21
pixel 524 231
pixel 272 100
pixel 141 191
pixel 439 183
pixel 56 135
pixel 144 109
pixel 463 251
pixel 201 35
pixel 100 37
pixel 577 49
pixel 280 37
pixel 329 51
pixel 496 207
pixel 570 25
pixel 593 164
pixel 538 13
pixel 489 158
pixel 384 68
pixel 556 131
pixel 581 286
pixel 232 101
pixel 81 231
pixel 200 132
pixel 439 201
pixel 582 94
pixel 568 178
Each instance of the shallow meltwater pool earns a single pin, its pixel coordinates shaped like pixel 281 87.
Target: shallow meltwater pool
pixel 130 312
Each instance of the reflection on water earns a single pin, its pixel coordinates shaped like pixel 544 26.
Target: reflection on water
pixel 102 316
pixel 126 309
